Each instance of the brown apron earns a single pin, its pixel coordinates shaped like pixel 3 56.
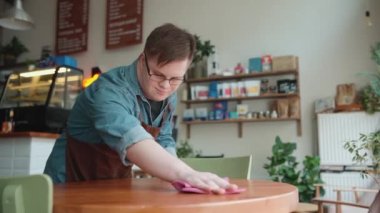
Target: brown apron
pixel 88 161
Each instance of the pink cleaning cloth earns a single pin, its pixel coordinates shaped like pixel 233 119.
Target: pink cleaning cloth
pixel 182 186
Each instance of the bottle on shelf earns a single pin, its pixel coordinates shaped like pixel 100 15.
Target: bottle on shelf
pixel 213 65
pixel 4 124
pixel 11 123
pixel 8 122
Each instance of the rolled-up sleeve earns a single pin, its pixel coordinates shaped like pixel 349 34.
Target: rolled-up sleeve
pixel 113 113
pixel 165 138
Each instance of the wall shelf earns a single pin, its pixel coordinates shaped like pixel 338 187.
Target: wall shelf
pixel 240 122
pixel 294 73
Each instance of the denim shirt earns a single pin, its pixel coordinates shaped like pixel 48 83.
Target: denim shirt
pixel 110 111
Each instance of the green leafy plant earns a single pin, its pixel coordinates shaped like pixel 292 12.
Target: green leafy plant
pixel 15 48
pixel 370 95
pixel 203 49
pixel 282 167
pixel 370 100
pixel 375 53
pixel 366 150
pixel 185 150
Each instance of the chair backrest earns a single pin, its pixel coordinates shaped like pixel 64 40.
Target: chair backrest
pixel 26 194
pixel 232 167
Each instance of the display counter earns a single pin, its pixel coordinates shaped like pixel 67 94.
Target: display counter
pixel 25 153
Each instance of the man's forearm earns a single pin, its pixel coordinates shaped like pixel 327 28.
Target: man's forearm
pixel 153 159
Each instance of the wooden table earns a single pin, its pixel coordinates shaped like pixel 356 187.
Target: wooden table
pixel 155 196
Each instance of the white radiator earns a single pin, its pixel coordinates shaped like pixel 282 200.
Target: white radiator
pixel 334 129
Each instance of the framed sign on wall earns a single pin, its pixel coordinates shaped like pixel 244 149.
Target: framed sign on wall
pixel 71 26
pixel 123 23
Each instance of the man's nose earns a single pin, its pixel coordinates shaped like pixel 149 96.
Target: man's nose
pixel 165 83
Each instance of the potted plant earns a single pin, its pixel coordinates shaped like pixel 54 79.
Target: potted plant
pixel 203 50
pixel 282 167
pixel 370 95
pixel 185 150
pixel 367 150
pixel 12 51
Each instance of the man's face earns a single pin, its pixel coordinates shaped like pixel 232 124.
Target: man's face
pixel 159 82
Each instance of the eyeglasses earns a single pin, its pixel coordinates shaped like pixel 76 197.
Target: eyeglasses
pixel 161 78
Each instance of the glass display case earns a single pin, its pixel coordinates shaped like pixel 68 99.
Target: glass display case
pixel 41 99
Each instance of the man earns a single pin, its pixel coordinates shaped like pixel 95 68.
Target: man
pixel 124 118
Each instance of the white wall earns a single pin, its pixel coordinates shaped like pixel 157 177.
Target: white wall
pixel 330 37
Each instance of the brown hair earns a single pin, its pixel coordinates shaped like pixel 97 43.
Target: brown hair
pixel 169 43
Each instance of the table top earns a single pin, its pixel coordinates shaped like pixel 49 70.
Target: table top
pixel 156 196
pixel 29 135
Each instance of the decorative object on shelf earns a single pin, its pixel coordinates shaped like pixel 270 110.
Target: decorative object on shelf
pixel 266 63
pixel 294 107
pixel 368 18
pixel 239 69
pixel 12 51
pixel 273 89
pixel 264 87
pixel 242 110
pixel 188 115
pixel 255 65
pixel 283 86
pixel 283 108
pixel 282 167
pixel 324 105
pixel 366 150
pixel 201 113
pixel 204 49
pixel 220 109
pixel 274 114
pixel 283 63
pixel 252 87
pixel 16 18
pixel 345 94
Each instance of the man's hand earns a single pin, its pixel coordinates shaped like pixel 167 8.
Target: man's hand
pixel 153 159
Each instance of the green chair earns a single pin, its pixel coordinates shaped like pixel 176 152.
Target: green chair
pixel 26 194
pixel 232 167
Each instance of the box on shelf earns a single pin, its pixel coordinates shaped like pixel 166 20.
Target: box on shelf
pixel 201 113
pixel 254 65
pixel 242 110
pixel 65 60
pixel 252 87
pixel 283 63
pixel 199 92
pixel 188 115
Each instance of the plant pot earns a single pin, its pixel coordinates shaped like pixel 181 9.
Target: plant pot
pixel 9 60
pixel 200 69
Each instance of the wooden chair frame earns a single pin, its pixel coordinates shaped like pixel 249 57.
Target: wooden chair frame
pixel 338 202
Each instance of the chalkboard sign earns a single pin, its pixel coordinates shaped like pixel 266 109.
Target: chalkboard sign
pixel 123 23
pixel 72 26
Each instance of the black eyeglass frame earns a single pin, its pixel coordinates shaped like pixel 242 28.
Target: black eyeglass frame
pixel 161 78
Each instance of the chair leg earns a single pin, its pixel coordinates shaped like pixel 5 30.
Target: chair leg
pixel 320 207
pixel 338 207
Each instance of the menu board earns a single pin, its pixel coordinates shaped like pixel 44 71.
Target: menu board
pixel 72 26
pixel 123 23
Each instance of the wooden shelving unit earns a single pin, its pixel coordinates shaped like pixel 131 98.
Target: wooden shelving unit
pixel 240 122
